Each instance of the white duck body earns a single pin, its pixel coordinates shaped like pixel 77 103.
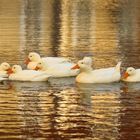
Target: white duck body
pixel 133 75
pixel 105 75
pixel 58 70
pixel 27 75
pixel 50 61
pixel 3 74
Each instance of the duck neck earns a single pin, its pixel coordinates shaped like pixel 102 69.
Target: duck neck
pixel 19 70
pixel 44 68
pixel 87 69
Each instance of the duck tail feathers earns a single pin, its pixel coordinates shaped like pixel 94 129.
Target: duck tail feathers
pixel 118 66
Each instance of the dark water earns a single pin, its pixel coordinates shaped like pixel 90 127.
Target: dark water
pixel 60 109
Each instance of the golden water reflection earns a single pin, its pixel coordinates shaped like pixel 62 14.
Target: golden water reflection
pixel 108 31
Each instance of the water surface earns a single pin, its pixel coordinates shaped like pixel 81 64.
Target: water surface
pixel 61 109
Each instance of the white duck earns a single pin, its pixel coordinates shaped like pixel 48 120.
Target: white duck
pixel 58 70
pixel 88 75
pixel 16 73
pixel 34 57
pixel 131 75
pixel 4 67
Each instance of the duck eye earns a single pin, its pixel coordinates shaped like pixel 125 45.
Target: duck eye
pixel 82 62
pixel 39 63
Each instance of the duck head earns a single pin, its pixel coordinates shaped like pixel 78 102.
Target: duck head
pixel 32 57
pixel 87 60
pixel 14 69
pixel 4 66
pixel 84 64
pixel 41 65
pixel 130 71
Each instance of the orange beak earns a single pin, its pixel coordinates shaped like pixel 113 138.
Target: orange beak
pixel 75 67
pixel 125 75
pixel 27 61
pixel 9 71
pixel 37 68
